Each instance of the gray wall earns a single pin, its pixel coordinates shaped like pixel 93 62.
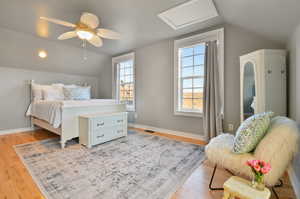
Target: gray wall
pixel 294 72
pixel 19 62
pixel 15 92
pixel 105 82
pixel 294 86
pixel 154 81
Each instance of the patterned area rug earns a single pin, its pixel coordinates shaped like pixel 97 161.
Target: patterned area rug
pixel 139 166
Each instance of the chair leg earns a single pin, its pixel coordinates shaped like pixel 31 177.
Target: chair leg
pixel 211 181
pixel 276 195
pixel 276 186
pixel 280 184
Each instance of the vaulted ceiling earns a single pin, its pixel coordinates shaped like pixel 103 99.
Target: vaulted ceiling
pixel 137 20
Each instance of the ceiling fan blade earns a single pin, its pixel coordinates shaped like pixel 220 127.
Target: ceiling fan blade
pixel 60 22
pixel 67 35
pixel 108 34
pixel 96 41
pixel 89 19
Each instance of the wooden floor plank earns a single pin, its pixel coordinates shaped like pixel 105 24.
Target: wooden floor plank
pixel 16 182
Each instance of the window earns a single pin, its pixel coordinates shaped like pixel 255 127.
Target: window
pixel 189 57
pixel 191 78
pixel 124 80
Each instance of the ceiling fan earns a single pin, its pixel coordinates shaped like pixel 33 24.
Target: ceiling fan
pixel 86 29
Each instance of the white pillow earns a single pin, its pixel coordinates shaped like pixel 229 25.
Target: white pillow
pixel 37 91
pixel 77 93
pixel 70 86
pixel 53 93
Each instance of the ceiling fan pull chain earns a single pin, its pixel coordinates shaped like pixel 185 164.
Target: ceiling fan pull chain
pixel 84 49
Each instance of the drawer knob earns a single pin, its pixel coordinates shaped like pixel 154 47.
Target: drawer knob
pixel 100 136
pixel 100 124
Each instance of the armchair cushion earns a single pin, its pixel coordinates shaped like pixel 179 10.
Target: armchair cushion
pixel 219 151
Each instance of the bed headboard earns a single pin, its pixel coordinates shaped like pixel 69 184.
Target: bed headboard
pixel 31 82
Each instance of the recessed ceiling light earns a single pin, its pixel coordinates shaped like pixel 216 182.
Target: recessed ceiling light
pixel 42 54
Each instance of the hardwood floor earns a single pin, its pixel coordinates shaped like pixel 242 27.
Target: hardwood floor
pixel 16 182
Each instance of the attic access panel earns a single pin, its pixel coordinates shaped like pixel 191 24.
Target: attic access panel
pixel 188 13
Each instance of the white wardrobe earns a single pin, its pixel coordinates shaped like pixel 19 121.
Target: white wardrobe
pixel 263 82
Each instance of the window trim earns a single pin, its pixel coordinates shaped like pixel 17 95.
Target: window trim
pixel 116 60
pixel 218 35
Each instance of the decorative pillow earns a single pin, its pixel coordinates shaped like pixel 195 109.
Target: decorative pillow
pixel 53 93
pixel 37 91
pixel 77 93
pixel 251 131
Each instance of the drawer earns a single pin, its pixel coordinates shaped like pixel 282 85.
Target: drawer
pixel 119 120
pixel 107 134
pixel 107 121
pixel 99 136
pixel 119 131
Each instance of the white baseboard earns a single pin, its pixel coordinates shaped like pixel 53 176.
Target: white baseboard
pixel 295 182
pixel 168 131
pixel 19 130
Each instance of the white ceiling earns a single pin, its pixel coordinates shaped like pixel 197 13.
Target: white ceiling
pixel 137 20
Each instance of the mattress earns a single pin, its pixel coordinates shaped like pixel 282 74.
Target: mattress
pixel 51 111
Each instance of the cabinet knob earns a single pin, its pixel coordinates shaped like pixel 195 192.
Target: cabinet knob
pixel 100 136
pixel 119 121
pixel 119 131
pixel 269 71
pixel 100 124
pixel 282 71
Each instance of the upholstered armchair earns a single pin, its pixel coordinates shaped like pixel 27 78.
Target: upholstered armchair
pixel 278 147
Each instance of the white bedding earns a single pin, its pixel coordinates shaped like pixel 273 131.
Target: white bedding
pixel 51 111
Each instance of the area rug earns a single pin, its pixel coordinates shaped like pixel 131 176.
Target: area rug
pixel 139 166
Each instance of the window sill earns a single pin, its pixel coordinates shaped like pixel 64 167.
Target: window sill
pixel 188 114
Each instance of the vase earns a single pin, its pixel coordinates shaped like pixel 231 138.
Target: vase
pixel 258 183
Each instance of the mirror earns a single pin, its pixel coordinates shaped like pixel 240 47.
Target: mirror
pixel 249 90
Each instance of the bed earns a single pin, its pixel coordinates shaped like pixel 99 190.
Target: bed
pixel 61 116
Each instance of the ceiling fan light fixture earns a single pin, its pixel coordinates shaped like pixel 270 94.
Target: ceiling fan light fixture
pixel 86 30
pixel 83 34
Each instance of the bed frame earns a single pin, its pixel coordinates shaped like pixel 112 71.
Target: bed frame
pixel 70 122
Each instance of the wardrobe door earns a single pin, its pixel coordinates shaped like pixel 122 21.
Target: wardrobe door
pixel 275 96
pixel 283 86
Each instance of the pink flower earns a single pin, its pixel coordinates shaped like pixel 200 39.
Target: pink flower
pixel 262 163
pixel 252 163
pixel 255 163
pixel 266 169
pixel 249 163
pixel 256 167
pixel 259 166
